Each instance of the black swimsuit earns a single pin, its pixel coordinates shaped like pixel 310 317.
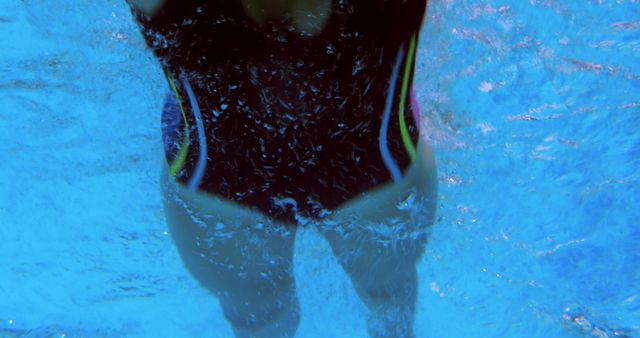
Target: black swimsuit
pixel 288 125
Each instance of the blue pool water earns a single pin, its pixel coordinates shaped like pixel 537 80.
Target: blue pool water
pixel 532 108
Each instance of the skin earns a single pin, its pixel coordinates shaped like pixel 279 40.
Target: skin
pixel 308 17
pixel 245 258
pixel 149 7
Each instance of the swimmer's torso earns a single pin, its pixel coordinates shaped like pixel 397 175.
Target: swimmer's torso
pixel 279 120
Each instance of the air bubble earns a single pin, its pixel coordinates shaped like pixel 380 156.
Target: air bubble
pixel 408 202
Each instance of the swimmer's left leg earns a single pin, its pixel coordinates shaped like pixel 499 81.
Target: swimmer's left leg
pixel 387 282
pixel 379 239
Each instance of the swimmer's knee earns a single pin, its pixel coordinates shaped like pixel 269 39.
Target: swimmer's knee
pixel 396 285
pixel 281 309
pixel 391 305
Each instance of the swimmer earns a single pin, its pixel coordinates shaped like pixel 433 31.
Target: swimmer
pixel 288 113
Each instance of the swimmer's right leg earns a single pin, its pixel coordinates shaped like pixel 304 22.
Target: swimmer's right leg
pixel 238 254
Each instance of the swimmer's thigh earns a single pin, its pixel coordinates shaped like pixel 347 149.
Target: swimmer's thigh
pixel 379 237
pixel 237 253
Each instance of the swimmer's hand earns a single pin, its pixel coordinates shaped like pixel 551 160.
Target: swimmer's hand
pixel 308 16
pixel 148 7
